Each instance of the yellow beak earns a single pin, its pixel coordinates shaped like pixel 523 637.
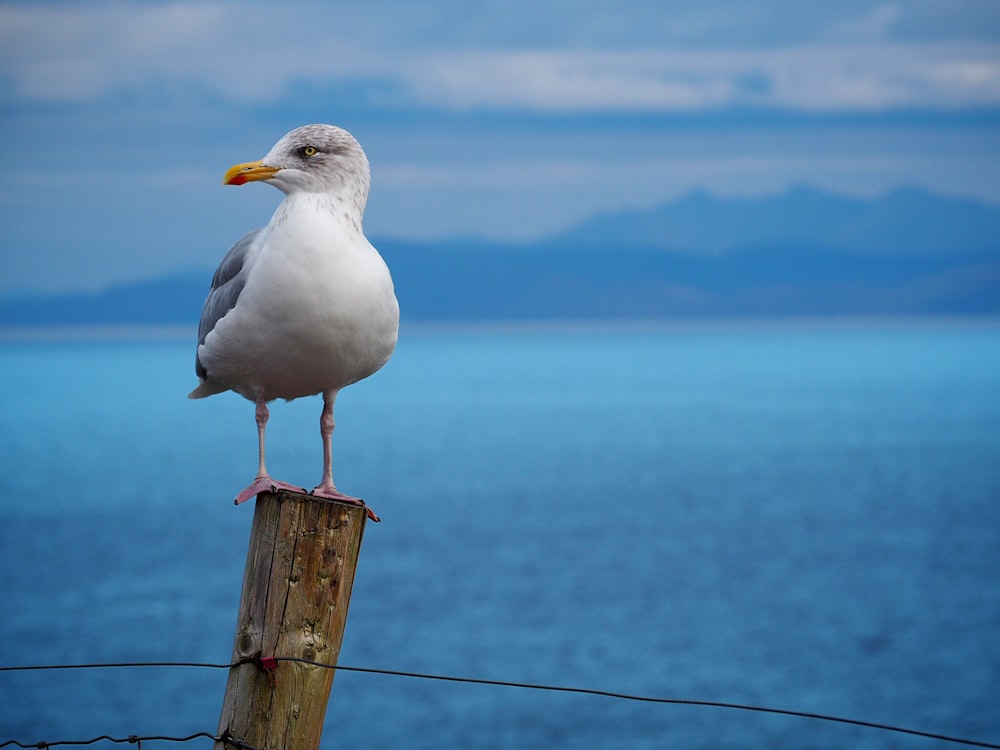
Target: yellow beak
pixel 248 172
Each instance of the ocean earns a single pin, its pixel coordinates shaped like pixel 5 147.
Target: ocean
pixel 801 516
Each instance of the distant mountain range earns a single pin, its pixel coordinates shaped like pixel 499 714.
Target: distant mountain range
pixel 800 253
pixel 905 222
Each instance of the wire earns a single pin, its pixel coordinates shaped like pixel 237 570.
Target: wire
pixel 271 663
pixel 113 665
pixel 649 699
pixel 131 739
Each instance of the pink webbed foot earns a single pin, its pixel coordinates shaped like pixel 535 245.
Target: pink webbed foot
pixel 266 484
pixel 332 493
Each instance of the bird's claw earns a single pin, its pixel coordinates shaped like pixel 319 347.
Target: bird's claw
pixel 335 494
pixel 266 484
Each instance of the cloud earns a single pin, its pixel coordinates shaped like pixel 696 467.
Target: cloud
pixel 818 78
pixel 67 53
pixel 56 53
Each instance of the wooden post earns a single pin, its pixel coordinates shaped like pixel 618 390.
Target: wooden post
pixel 296 590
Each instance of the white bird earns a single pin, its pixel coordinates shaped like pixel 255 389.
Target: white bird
pixel 304 305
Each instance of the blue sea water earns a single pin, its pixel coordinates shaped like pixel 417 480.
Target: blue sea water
pixel 803 517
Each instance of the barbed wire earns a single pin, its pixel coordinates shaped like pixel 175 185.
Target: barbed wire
pixel 270 663
pixel 132 739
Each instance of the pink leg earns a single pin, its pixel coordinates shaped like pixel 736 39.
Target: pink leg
pixel 263 481
pixel 326 488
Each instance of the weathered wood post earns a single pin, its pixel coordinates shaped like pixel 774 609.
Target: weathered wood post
pixel 296 590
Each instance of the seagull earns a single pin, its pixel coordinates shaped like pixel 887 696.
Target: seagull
pixel 304 305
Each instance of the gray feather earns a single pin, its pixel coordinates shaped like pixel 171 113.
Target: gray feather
pixel 227 285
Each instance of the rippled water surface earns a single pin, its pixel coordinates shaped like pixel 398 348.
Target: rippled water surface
pixel 799 517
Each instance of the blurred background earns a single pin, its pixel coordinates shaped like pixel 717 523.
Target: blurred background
pixel 511 122
pixel 697 393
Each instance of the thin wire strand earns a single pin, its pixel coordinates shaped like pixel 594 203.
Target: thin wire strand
pixel 131 739
pixel 113 665
pixel 650 699
pixel 506 683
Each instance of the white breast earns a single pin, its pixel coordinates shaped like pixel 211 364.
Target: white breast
pixel 318 311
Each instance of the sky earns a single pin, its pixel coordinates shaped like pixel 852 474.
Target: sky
pixel 502 120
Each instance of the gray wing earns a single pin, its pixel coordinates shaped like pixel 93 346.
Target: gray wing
pixel 227 284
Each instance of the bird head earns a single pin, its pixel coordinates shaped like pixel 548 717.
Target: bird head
pixel 313 158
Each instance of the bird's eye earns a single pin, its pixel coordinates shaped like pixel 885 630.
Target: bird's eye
pixel 309 151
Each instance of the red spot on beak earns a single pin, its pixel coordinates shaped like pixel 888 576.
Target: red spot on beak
pixel 237 180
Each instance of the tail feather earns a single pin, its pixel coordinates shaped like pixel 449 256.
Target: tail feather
pixel 208 388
